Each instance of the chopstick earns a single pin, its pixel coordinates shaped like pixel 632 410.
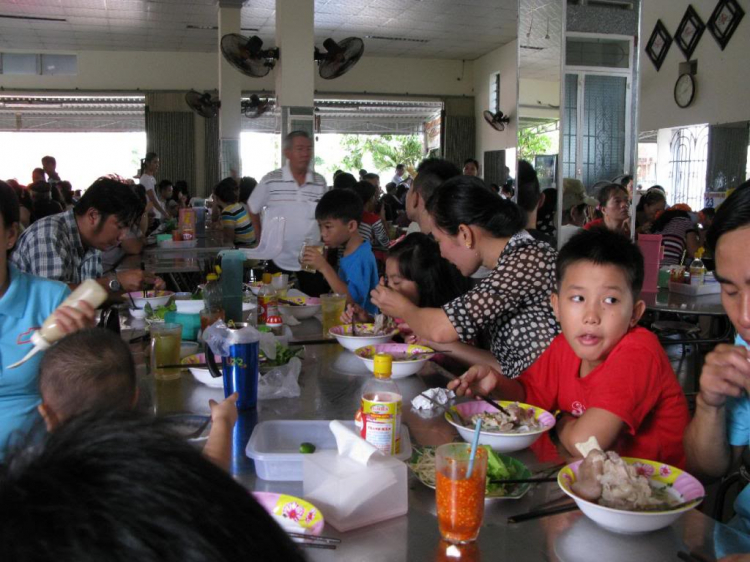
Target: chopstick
pixel 480 396
pixel 315 538
pixel 693 556
pixel 537 513
pixel 145 291
pixel 313 342
pixel 322 546
pixel 523 480
pixel 185 366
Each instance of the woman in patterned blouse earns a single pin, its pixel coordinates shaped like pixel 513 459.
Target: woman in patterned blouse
pixel 476 227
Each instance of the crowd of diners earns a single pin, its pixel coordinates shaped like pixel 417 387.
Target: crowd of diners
pixel 459 265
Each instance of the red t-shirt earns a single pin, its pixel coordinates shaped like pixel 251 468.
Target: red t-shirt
pixel 636 383
pixel 593 224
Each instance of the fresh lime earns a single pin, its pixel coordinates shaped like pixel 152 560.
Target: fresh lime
pixel 306 448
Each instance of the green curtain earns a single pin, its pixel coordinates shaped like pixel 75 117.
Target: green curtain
pixel 212 171
pixel 171 134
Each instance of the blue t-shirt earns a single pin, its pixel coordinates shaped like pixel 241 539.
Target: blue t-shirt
pixel 738 435
pixel 24 307
pixel 360 273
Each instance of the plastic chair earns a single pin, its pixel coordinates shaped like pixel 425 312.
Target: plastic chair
pixel 271 241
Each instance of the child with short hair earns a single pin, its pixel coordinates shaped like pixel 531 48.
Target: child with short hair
pixel 608 377
pixel 234 220
pixel 339 213
pixel 93 370
pixel 371 227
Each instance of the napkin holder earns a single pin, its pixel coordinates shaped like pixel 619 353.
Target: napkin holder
pixel 352 494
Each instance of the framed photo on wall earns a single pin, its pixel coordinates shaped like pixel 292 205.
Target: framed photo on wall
pixel 689 32
pixel 724 20
pixel 658 45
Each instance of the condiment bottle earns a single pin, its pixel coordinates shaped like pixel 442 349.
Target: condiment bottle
pixel 89 291
pixel 381 408
pixel 275 324
pixel 266 301
pixel 212 294
pixel 697 269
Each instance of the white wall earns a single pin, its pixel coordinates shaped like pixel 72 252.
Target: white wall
pixel 505 61
pixel 531 92
pixel 722 79
pixel 133 70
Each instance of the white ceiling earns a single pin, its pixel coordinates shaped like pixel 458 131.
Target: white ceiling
pixel 538 19
pixel 453 29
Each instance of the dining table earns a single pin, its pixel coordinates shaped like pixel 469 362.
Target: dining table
pixel 331 383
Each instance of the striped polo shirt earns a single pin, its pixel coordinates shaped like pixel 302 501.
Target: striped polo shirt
pixel 279 195
pixel 235 216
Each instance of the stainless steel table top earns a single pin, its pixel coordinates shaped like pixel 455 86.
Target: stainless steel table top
pixel 666 301
pixel 331 383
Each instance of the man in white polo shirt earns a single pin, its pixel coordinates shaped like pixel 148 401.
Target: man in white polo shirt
pixel 292 192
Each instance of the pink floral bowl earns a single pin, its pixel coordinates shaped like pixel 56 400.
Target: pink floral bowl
pixel 294 515
pixel 681 485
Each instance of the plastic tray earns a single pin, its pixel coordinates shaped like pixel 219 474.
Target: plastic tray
pixel 274 446
pixel 711 288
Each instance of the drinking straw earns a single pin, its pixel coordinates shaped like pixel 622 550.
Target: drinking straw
pixel 474 444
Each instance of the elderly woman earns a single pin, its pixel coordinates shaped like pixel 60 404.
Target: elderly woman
pixel 678 233
pixel 475 226
pixel 614 204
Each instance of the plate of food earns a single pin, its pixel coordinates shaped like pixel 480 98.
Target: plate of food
pixel 381 331
pixel 499 467
pixel 202 374
pixel 407 359
pixel 628 495
pixel 153 298
pixel 504 433
pixel 293 514
pixel 301 307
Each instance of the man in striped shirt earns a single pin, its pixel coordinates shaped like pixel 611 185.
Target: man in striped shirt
pixel 292 192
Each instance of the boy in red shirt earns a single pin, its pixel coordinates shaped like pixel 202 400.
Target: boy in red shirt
pixel 608 377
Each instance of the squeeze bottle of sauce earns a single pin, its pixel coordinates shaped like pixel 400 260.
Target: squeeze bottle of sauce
pixel 380 415
pixel 89 291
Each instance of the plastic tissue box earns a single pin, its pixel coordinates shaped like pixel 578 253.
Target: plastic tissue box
pixel 352 495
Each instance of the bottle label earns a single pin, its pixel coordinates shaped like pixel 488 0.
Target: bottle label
pixel 381 422
pixel 264 303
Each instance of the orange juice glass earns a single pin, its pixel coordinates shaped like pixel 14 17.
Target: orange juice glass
pixel 459 497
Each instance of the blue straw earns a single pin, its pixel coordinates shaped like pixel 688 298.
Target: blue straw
pixel 474 444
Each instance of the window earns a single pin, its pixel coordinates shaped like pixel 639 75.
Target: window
pixel 495 92
pixel 60 65
pixel 20 64
pixel 605 53
pixel 33 64
pixel 688 149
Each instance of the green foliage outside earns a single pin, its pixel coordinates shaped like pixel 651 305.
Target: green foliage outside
pixel 386 151
pixel 531 143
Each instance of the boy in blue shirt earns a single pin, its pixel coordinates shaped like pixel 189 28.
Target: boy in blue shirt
pixel 338 214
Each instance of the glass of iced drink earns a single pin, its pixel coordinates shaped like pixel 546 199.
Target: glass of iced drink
pixel 332 306
pixel 459 496
pixel 166 340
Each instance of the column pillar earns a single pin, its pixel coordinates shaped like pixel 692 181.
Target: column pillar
pixel 230 94
pixel 295 72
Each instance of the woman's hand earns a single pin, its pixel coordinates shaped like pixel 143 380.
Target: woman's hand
pixel 73 319
pixel 355 312
pixel 726 372
pixel 480 379
pixel 390 302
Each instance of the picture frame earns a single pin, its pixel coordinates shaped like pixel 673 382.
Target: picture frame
pixel 689 32
pixel 724 21
pixel 658 44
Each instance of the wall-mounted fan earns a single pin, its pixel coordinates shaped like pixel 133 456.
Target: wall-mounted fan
pixel 340 57
pixel 202 104
pixel 248 55
pixel 256 107
pixel 497 121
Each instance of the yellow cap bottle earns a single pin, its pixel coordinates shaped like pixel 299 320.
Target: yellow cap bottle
pixel 383 367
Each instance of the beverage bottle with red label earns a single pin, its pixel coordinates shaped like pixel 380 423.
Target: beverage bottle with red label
pixel 266 301
pixel 379 418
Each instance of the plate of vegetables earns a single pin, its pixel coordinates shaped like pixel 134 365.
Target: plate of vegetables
pixel 499 467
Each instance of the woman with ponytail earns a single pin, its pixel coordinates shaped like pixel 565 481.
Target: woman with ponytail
pixel 149 169
pixel 473 227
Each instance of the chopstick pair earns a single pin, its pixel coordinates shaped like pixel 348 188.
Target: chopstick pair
pixel 538 513
pixel 312 541
pixel 481 396
pixel 523 480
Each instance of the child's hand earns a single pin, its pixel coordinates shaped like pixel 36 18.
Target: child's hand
pixel 314 259
pixel 224 412
pixel 406 331
pixel 480 379
pixel 356 312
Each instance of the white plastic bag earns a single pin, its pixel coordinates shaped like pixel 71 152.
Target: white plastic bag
pixel 281 382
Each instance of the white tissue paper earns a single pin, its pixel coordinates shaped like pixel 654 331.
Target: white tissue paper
pixel 351 444
pixel 439 395
pixel 289 320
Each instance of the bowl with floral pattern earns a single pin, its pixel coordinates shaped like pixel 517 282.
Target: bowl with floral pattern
pixel 408 359
pixel 293 514
pixel 683 489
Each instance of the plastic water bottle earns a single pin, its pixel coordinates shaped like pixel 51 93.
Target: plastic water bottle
pixel 231 284
pixel 380 415
pixel 212 299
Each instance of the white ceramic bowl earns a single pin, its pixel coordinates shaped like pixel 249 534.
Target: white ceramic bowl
pixel 255 287
pixel 632 522
pixel 202 375
pixel 188 348
pixel 500 442
pixel 154 298
pixel 401 367
pixel 138 313
pixel 189 306
pixel 344 336
pixel 310 307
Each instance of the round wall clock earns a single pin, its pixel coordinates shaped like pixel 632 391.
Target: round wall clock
pixel 684 90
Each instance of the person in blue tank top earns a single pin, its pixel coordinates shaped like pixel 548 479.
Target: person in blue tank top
pixel 25 303
pixel 720 431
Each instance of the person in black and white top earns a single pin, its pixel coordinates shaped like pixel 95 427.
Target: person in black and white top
pixel 292 192
pixel 149 169
pixel 475 226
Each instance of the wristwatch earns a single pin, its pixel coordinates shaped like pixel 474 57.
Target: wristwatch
pixel 114 284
